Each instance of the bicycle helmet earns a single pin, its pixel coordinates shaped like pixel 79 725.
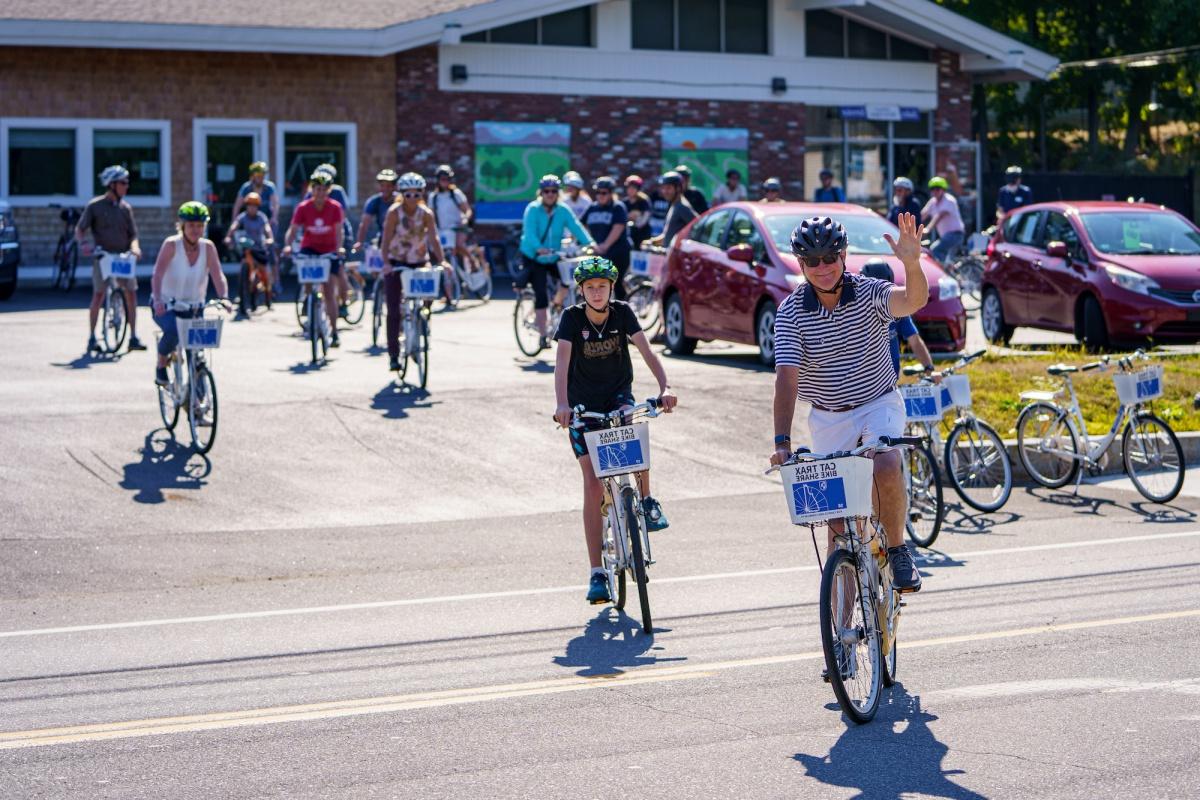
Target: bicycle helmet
pixel 672 178
pixel 386 175
pixel 410 181
pixel 772 185
pixel 259 166
pixel 329 168
pixel 684 170
pixel 112 174
pixel 595 267
pixel 938 182
pixel 444 169
pixel 1012 172
pixel 320 178
pixel 878 268
pixel 604 183
pixel 817 237
pixel 193 211
pixel 902 183
pixel 636 180
pixel 573 179
pixel 549 182
pixel 253 199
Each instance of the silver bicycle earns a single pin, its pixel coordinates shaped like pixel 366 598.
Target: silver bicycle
pixel 1053 442
pixel 530 340
pixel 114 314
pixel 619 446
pixel 191 385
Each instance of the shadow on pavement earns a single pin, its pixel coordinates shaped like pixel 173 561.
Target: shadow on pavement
pixel 961 518
pixel 46 299
pixel 166 464
pixel 538 366
pixel 894 756
pixel 305 367
pixel 86 360
pixel 610 640
pixel 1157 513
pixel 396 399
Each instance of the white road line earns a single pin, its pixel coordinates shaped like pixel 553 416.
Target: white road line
pixel 459 598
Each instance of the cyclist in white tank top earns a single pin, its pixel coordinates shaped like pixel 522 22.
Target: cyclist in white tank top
pixel 186 262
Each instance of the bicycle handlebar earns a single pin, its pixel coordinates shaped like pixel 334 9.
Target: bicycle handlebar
pixel 648 409
pixel 884 444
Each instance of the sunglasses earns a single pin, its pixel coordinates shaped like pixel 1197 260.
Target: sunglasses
pixel 819 260
pixel 602 191
pixel 549 191
pixel 412 195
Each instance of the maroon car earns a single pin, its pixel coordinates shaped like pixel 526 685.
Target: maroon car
pixel 1106 272
pixel 730 269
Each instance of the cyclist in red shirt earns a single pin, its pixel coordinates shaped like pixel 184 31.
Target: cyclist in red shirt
pixel 320 217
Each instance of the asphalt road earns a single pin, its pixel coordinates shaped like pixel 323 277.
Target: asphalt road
pixel 372 591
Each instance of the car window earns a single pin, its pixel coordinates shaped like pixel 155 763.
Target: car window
pixel 1141 232
pixel 866 232
pixel 1058 229
pixel 710 229
pixel 743 231
pixel 1024 230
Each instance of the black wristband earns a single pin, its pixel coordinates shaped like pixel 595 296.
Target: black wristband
pixel 783 439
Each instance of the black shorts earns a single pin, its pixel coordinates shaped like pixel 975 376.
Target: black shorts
pixel 578 444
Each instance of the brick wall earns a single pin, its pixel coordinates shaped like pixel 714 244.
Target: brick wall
pixel 178 86
pixel 609 135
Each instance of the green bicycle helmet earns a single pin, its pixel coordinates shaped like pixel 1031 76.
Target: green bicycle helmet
pixel 595 267
pixel 193 211
pixel 321 178
pixel 938 182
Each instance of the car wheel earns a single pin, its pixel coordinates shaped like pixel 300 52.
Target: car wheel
pixel 1095 332
pixel 6 290
pixel 764 333
pixel 991 315
pixel 677 342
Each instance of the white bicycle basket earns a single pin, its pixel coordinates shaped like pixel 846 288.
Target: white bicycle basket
pixel 959 387
pixel 1141 386
pixel 312 269
pixel 421 283
pixel 566 270
pixel 117 266
pixel 831 489
pixel 198 333
pixel 372 260
pixel 922 402
pixel 618 451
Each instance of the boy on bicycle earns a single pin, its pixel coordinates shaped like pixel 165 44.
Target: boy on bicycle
pixel 257 226
pixel 593 369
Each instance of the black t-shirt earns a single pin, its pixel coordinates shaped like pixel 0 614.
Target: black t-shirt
pixel 600 366
pixel 658 207
pixel 639 205
pixel 697 199
pixel 599 220
pixel 681 214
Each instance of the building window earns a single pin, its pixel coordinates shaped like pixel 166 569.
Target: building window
pixel 303 146
pixel 140 152
pixel 565 29
pixel 707 26
pixel 41 162
pixel 830 35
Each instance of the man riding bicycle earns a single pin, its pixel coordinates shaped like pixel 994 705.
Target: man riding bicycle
pixel 257 226
pixel 542 229
pixel 266 191
pixel 593 369
pixel 833 350
pixel 110 220
pixel 321 218
pixel 409 235
pixel 376 208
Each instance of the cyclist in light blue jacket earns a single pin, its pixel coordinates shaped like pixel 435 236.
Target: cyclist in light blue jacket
pixel 541 236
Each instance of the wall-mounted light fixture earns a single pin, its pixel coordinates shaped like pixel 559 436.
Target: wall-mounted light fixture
pixel 778 85
pixel 458 73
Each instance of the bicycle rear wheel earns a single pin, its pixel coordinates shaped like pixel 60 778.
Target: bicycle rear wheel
pixel 356 300
pixel 637 559
pixel 925 508
pixel 978 465
pixel 313 315
pixel 529 338
pixel 1045 441
pixel 245 289
pixel 1153 458
pixel 850 639
pixel 889 642
pixel 202 409
pixel 116 320
pixel 377 312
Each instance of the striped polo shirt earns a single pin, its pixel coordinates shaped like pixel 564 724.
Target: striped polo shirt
pixel 844 355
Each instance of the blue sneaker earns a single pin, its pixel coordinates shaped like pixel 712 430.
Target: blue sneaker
pixel 656 520
pixel 598 590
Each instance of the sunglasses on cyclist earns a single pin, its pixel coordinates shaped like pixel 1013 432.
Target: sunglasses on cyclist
pixel 819 260
pixel 412 195
pixel 549 191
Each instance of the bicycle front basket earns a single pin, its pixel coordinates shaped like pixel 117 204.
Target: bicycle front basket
pixel 834 488
pixel 959 387
pixel 922 402
pixel 372 260
pixel 1141 386
pixel 619 451
pixel 312 269
pixel 421 283
pixel 117 266
pixel 199 333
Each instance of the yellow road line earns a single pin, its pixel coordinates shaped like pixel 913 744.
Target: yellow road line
pixel 450 697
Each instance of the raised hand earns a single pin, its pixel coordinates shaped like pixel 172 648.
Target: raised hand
pixel 908 248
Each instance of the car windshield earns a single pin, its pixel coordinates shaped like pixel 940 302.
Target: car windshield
pixel 1144 233
pixel 866 232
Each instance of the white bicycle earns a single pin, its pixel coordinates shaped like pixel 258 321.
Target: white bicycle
pixel 421 287
pixel 196 389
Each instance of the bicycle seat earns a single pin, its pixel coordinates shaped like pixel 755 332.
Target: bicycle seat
pixel 1061 369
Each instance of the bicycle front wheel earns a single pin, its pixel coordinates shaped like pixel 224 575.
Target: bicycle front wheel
pixel 850 639
pixel 529 338
pixel 421 349
pixel 1153 458
pixel 978 465
pixel 377 311
pixel 969 273
pixel 637 558
pixel 302 293
pixel 356 301
pixel 642 301
pixel 925 508
pixel 116 320
pixel 167 407
pixel 1046 445
pixel 202 410
pixel 313 315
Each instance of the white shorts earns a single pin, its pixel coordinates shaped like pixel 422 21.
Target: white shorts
pixel 832 431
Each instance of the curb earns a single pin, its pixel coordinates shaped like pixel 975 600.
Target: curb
pixel 1188 440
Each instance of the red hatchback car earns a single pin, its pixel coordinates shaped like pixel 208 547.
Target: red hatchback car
pixel 1106 272
pixel 730 269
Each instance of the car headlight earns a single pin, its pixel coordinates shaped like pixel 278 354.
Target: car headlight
pixel 1128 279
pixel 948 288
pixel 794 280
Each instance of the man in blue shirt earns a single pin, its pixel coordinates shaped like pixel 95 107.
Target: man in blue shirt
pixel 1013 194
pixel 903 200
pixel 606 220
pixel 827 192
pixel 903 328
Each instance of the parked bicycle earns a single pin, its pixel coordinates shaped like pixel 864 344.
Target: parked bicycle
pixel 66 252
pixel 421 287
pixel 619 446
pixel 194 389
pixel 974 458
pixel 470 275
pixel 254 286
pixel 312 273
pixel 530 340
pixel 114 313
pixel 922 476
pixel 859 606
pixel 1053 441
